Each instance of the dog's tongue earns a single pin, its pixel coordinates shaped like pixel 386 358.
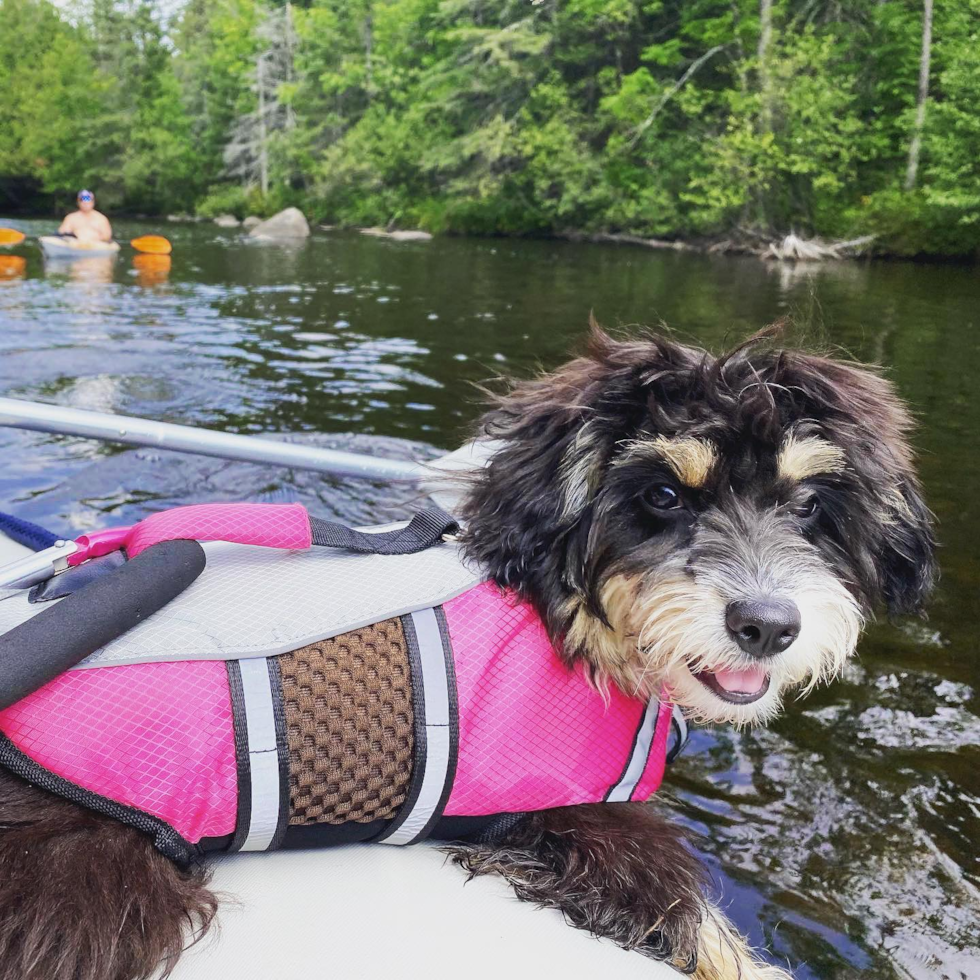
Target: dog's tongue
pixel 749 681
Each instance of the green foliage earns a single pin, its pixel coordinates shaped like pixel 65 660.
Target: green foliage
pixel 904 220
pixel 650 117
pixel 48 119
pixel 800 166
pixel 952 146
pixel 224 199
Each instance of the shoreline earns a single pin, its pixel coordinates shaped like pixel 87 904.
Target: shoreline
pixel 789 248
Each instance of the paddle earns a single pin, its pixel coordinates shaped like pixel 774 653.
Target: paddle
pixel 151 244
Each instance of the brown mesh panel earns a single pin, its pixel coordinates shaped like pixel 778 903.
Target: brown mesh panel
pixel 349 724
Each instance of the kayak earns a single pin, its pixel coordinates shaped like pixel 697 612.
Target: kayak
pixel 58 247
pixel 273 925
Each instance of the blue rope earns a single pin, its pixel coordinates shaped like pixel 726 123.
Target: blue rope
pixel 27 534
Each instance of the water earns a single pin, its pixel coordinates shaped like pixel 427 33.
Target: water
pixel 846 836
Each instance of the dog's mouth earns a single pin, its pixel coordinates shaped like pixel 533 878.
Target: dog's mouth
pixel 735 686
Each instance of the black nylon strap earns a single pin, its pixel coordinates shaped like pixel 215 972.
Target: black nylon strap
pixel 679 737
pixel 501 826
pixel 424 530
pixel 243 815
pixel 167 841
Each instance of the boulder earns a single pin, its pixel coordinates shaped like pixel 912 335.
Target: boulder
pixel 284 225
pixel 251 222
pixel 227 221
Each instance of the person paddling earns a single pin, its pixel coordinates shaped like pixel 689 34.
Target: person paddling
pixel 86 224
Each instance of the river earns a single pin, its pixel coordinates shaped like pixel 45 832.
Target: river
pixel 846 836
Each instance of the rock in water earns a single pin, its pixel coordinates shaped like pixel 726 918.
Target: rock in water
pixel 227 221
pixel 286 224
pixel 251 222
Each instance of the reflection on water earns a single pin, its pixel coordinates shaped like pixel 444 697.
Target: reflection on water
pixel 845 837
pixel 12 267
pixel 91 269
pixel 152 270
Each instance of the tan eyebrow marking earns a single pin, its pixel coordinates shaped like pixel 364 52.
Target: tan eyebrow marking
pixel 691 459
pixel 800 458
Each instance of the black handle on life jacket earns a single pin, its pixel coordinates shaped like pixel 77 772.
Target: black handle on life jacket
pixel 425 529
pixel 66 633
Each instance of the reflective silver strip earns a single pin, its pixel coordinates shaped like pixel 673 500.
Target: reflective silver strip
pixel 435 693
pixel 263 754
pixel 681 722
pixel 623 790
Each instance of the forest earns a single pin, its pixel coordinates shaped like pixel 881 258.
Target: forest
pixel 689 120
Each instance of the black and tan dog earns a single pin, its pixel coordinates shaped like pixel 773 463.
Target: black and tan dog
pixel 719 526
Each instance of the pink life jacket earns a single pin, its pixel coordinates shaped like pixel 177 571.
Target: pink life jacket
pixel 193 752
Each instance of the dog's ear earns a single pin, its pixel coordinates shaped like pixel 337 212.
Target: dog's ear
pixel 908 564
pixel 529 513
pixel 871 422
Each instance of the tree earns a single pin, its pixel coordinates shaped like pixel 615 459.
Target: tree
pixel 915 146
pixel 53 99
pixel 667 118
pixel 246 155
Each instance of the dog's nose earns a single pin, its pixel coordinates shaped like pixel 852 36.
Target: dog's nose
pixel 763 627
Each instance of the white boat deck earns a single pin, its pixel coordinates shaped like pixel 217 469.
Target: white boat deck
pixel 379 912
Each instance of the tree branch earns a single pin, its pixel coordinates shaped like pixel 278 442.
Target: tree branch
pixel 671 92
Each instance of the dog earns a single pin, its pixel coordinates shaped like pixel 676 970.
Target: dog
pixel 715 527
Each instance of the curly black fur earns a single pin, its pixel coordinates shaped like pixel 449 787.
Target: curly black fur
pixel 620 871
pixel 875 529
pixel 83 897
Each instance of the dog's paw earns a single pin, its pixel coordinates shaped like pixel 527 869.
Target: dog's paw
pixel 669 935
pixel 723 953
pixel 621 872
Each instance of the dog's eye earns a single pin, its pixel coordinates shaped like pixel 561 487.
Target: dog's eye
pixel 808 508
pixel 662 496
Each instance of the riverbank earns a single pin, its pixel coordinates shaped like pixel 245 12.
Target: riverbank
pixel 790 247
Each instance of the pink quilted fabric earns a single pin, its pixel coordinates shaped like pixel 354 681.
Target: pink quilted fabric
pixel 272 525
pixel 157 737
pixel 533 735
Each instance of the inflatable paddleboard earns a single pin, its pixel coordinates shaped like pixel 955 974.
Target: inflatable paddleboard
pixel 57 247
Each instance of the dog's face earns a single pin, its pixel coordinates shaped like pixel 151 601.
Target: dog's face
pixel 717 526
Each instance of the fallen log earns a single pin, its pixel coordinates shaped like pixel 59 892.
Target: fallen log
pixel 398 236
pixel 619 239
pixel 795 249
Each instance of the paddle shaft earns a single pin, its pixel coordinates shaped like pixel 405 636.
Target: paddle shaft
pixel 150 244
pixel 39 417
